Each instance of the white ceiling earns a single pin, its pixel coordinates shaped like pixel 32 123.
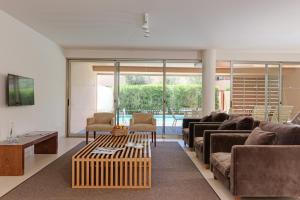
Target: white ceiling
pixel 174 24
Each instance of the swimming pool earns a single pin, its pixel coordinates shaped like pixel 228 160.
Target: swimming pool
pixel 124 119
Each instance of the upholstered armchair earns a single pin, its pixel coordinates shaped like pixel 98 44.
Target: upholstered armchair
pixel 211 121
pixel 239 124
pixel 102 122
pixel 143 122
pixel 258 170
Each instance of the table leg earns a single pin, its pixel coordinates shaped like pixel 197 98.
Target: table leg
pixel 48 146
pixel 155 138
pixel 151 137
pixel 86 137
pixel 11 161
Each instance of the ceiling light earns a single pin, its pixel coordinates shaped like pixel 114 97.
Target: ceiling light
pixel 145 26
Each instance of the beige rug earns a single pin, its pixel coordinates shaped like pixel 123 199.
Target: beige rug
pixel 174 176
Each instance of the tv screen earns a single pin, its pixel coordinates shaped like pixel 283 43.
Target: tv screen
pixel 20 90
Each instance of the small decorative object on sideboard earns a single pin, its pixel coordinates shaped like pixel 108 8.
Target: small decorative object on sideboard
pixel 119 130
pixel 11 138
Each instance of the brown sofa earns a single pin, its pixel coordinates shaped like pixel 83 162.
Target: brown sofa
pixel 213 120
pixel 259 170
pixel 185 128
pixel 240 124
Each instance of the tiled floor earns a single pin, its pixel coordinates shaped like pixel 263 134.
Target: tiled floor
pixel 34 163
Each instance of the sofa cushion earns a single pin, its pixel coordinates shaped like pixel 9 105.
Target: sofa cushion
pixel 255 124
pixel 198 140
pixel 233 116
pixel 99 127
pixel 285 134
pixel 198 143
pixel 221 161
pixel 260 137
pixel 185 131
pixel 103 118
pixel 237 123
pixel 219 117
pixel 207 118
pixel 244 123
pixel 228 125
pixel 143 127
pixel 142 118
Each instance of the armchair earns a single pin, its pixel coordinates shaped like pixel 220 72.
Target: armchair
pixel 240 124
pixel 103 122
pixel 258 170
pixel 213 118
pixel 185 128
pixel 143 122
pixel 205 156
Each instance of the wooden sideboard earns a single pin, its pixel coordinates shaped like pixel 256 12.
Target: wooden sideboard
pixel 12 154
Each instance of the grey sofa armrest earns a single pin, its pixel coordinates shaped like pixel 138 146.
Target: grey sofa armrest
pixel 200 128
pixel 223 142
pixel 265 170
pixel 192 129
pixel 186 121
pixel 206 141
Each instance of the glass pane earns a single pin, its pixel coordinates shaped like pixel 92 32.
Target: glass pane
pixel 273 93
pixel 248 89
pixel 141 90
pixel 290 107
pixel 223 86
pixel 255 90
pixel 183 94
pixel 90 87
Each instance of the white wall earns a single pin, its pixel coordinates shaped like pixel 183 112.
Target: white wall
pixel 25 52
pixel 236 55
pixel 83 101
pixel 248 55
pixel 132 53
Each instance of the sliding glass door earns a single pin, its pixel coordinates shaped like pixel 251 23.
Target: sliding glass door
pixel 183 93
pixel 168 89
pixel 140 90
pixel 256 89
pixel 91 86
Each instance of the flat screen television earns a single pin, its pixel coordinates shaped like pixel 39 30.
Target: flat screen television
pixel 20 90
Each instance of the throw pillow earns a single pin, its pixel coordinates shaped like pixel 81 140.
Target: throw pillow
pixel 286 134
pixel 260 137
pixel 219 117
pixel 244 123
pixel 227 125
pixel 207 118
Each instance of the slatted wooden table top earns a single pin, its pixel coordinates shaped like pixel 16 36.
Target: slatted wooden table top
pixel 119 142
pixel 127 168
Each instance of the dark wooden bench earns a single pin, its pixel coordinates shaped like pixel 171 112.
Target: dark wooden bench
pixel 12 154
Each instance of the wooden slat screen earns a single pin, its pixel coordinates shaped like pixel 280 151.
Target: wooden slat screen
pixel 248 91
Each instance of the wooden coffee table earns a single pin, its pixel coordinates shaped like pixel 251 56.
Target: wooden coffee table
pixel 127 168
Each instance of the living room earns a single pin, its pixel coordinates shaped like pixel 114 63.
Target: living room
pixel 181 94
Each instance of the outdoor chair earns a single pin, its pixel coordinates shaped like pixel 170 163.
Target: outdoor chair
pixel 282 113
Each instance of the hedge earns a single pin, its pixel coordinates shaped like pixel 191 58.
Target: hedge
pixel 149 97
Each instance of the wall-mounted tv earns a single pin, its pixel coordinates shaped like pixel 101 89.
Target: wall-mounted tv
pixel 19 90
